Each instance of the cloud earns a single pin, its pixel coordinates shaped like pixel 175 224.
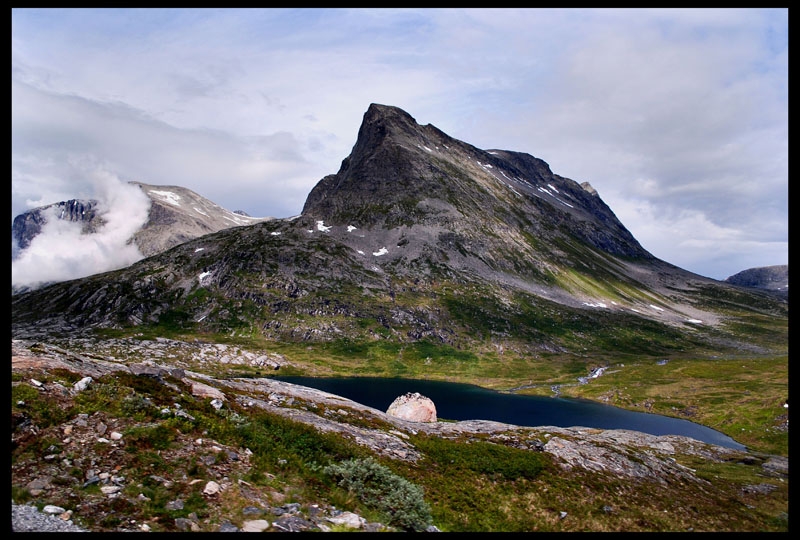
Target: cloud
pixel 690 236
pixel 52 130
pixel 62 251
pixel 684 110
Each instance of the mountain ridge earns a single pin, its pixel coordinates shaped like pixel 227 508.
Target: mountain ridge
pixel 418 236
pixel 771 278
pixel 412 164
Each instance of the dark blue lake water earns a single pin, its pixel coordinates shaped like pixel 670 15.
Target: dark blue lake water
pixel 455 401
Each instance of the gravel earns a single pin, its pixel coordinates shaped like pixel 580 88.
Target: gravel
pixel 28 518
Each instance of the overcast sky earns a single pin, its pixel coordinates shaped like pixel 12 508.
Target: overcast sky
pixel 677 117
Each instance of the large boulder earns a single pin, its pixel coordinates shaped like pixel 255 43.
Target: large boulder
pixel 413 407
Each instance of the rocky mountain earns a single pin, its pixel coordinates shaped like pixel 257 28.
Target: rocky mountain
pixel 401 175
pixel 418 236
pixel 176 214
pixel 771 278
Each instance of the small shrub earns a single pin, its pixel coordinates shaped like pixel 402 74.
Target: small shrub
pixel 100 397
pixel 20 495
pixel 271 437
pixel 28 400
pixel 148 462
pixel 111 521
pixel 379 488
pixel 493 460
pixel 157 437
pixel 195 469
pixel 195 503
pixel 138 407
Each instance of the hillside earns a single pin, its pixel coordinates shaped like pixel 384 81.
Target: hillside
pixel 420 236
pixel 124 444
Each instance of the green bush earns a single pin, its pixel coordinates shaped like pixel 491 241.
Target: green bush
pixel 156 437
pixel 101 397
pixel 27 400
pixel 138 407
pixel 493 460
pixel 379 488
pixel 271 437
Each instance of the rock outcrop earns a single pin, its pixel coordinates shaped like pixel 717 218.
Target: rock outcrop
pixel 29 224
pixel 413 407
pixel 92 448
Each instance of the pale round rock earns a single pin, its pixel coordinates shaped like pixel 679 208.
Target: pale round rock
pixel 413 407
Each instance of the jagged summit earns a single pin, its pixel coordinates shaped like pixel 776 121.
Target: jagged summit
pixel 28 225
pixel 379 182
pixel 400 173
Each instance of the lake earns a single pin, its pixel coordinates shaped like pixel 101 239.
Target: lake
pixel 456 401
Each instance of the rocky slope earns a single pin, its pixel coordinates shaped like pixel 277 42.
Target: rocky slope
pixel 403 175
pixel 57 461
pixel 420 236
pixel 178 214
pixel 423 254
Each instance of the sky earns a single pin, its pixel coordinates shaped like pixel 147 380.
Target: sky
pixel 677 117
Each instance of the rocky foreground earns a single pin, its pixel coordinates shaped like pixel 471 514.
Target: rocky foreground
pixel 91 448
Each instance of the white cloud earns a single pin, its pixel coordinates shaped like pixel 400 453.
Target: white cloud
pixel 49 131
pixel 62 252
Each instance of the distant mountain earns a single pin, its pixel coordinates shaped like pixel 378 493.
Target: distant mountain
pixel 176 215
pixel 771 278
pixel 420 236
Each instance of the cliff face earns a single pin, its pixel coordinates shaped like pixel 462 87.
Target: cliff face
pixel 400 173
pixel 28 225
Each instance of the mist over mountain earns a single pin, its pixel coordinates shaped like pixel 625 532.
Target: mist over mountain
pixel 76 238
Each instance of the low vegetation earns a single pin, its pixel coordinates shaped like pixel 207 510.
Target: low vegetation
pixel 746 398
pixel 463 484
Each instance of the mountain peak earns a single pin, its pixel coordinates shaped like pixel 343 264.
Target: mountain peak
pixel 377 111
pixel 401 173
